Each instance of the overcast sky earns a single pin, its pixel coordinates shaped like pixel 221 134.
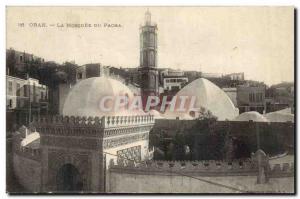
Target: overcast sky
pixel 256 40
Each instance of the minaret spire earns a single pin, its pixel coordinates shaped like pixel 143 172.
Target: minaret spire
pixel 147 17
pixel 148 59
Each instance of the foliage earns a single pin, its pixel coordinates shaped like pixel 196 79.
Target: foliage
pixel 206 115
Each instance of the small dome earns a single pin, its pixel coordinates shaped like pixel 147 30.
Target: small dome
pixel 279 117
pixel 86 97
pixel 208 96
pixel 252 115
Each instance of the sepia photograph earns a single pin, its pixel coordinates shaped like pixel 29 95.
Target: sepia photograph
pixel 150 100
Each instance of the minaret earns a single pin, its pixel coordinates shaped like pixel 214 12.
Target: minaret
pixel 148 59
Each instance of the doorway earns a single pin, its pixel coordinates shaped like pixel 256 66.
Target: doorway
pixel 68 179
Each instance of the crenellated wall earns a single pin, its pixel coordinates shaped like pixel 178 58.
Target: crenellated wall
pixel 207 168
pixel 147 182
pixel 67 120
pixel 104 122
pixel 83 142
pixel 201 177
pixel 118 121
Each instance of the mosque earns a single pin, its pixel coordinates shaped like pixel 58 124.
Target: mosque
pixel 74 151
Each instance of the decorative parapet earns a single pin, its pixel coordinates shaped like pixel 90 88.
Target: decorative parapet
pixel 105 121
pixel 258 166
pixel 205 168
pixel 68 125
pixel 118 121
pixel 68 120
pixel 92 126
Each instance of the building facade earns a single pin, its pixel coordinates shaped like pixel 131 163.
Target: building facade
pixel 280 96
pixel 17 61
pixel 25 98
pixel 173 80
pixel 235 76
pixel 91 70
pixel 251 98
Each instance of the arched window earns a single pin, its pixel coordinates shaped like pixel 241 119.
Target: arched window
pixel 145 58
pixel 151 58
pixel 152 40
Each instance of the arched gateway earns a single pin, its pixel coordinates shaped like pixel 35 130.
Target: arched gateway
pixel 68 179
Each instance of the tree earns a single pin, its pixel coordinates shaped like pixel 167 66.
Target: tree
pixel 70 72
pixel 179 146
pixel 47 74
pixel 199 137
pixel 206 115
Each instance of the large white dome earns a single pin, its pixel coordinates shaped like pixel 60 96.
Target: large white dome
pixel 207 96
pixel 84 98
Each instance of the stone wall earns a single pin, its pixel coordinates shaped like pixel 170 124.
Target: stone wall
pixel 198 177
pixel 28 171
pixel 123 182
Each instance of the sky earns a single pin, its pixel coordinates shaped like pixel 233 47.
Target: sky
pixel 258 41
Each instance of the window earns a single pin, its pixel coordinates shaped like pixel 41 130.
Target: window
pixel 42 95
pixel 151 58
pixel 18 89
pixel 145 57
pixel 251 97
pixel 79 76
pixel 21 58
pixel 145 39
pixel 10 87
pixel 25 91
pixel 260 97
pixel 34 93
pixel 152 40
pixel 152 77
pixel 257 97
pixel 10 102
